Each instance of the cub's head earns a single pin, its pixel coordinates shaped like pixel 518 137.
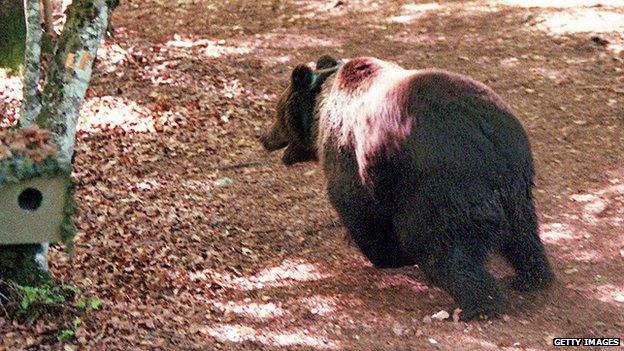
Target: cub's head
pixel 295 120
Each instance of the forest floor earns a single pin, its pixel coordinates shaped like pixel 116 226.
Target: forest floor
pixel 195 238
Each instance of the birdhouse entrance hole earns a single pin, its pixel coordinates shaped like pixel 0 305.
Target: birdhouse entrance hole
pixel 30 199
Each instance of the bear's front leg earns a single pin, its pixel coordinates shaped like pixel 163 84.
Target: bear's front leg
pixel 368 223
pixel 461 272
pixel 376 239
pixel 374 234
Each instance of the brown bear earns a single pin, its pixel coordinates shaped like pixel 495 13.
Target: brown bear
pixel 424 167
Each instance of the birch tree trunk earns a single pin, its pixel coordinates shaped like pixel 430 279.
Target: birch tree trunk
pixel 28 264
pixel 69 74
pixel 31 103
pixel 55 108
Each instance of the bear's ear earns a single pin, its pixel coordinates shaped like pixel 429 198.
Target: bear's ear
pixel 326 61
pixel 302 77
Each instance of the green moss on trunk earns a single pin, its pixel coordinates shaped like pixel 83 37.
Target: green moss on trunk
pixel 79 14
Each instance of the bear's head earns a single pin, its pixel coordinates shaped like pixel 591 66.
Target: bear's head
pixel 295 124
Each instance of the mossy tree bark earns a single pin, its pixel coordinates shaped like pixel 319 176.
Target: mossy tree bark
pixel 68 77
pixel 27 264
pixel 56 107
pixel 31 103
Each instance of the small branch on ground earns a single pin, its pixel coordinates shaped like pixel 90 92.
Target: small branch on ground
pixel 617 90
pixel 240 165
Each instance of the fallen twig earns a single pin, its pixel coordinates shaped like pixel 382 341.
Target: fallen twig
pixel 240 165
pixel 264 231
pixel 604 87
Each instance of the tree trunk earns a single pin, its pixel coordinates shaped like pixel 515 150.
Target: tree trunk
pixel 57 107
pixel 31 103
pixel 28 264
pixel 68 77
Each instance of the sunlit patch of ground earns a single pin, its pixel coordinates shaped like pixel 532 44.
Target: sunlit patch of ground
pixel 471 343
pixel 579 236
pixel 558 233
pixel 111 56
pixel 199 186
pixel 611 293
pixel 289 41
pixel 509 62
pixel 411 38
pixel 562 17
pixel 558 77
pixel 604 205
pixel 579 229
pixel 411 13
pixel 290 337
pixel 110 113
pixel 580 20
pixel 316 321
pixel 556 17
pixel 319 304
pixel 271 48
pixel 587 255
pixel 147 184
pixel 10 99
pixel 251 309
pixel 165 72
pixel 560 3
pixel 288 272
pixel 206 47
pixel 329 9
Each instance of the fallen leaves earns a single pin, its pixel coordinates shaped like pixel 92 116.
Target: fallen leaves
pixel 33 143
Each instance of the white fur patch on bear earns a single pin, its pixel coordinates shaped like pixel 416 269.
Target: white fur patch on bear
pixel 344 114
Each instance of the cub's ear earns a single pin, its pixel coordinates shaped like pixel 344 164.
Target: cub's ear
pixel 302 77
pixel 326 61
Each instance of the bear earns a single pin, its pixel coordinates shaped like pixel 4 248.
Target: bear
pixel 424 167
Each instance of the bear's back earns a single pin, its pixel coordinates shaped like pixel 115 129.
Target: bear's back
pixel 463 126
pixel 426 127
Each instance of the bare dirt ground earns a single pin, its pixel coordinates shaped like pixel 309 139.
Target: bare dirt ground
pixel 197 239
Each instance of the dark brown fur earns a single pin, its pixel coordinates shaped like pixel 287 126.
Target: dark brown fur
pixel 357 74
pixel 455 188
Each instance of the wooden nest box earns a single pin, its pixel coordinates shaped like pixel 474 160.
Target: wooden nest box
pixel 36 199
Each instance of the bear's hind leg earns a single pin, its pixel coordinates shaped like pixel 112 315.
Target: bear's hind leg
pixel 461 272
pixel 524 250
